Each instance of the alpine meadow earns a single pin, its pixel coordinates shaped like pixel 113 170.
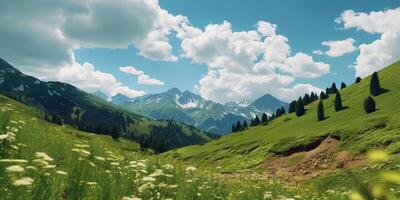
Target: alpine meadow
pixel 199 100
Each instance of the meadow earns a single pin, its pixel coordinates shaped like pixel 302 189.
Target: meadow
pixel 39 160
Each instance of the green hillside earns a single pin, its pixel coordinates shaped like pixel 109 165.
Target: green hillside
pixel 356 130
pixel 41 160
pixel 89 113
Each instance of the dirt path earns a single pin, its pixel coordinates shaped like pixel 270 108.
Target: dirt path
pixel 324 159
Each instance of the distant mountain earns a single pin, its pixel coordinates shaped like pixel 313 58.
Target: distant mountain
pixel 100 95
pixel 189 108
pixel 121 99
pixel 93 114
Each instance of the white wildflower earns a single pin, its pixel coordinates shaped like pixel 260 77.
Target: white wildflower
pixel 15 169
pixel 23 181
pixel 61 172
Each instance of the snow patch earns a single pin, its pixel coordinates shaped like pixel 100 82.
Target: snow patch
pixel 19 88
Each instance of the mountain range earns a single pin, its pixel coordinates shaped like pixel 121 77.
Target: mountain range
pixel 189 108
pixel 87 112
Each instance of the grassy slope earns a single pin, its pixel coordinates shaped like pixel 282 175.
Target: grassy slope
pixel 357 130
pixel 112 182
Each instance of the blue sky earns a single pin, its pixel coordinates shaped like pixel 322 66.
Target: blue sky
pixel 305 24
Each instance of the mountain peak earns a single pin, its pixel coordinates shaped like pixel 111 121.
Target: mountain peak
pixel 100 94
pixel 174 91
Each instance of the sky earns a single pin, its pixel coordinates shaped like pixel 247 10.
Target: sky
pixel 222 50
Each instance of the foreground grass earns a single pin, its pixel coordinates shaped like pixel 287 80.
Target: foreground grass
pixel 39 160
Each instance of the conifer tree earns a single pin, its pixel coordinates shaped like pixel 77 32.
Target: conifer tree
pixel 343 85
pixel 300 108
pixel 323 95
pixel 233 128
pixel 334 88
pixel 312 97
pixel 257 121
pixel 292 106
pixel 244 126
pixel 264 118
pixel 252 122
pixel 358 79
pixel 338 102
pixel 320 111
pixel 374 86
pixel 306 99
pixel 369 105
pixel 238 126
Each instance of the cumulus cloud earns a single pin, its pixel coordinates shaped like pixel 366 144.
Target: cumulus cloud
pixel 340 47
pixel 303 65
pixel 143 78
pixel 247 64
pixel 32 41
pixel 87 78
pixel 381 52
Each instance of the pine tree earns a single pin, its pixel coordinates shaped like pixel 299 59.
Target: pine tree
pixel 328 90
pixel 252 122
pixel 292 106
pixel 369 105
pixel 334 88
pixel 374 86
pixel 306 99
pixel 320 111
pixel 238 126
pixel 264 118
pixel 358 79
pixel 244 126
pixel 312 97
pixel 343 85
pixel 300 108
pixel 338 102
pixel 233 128
pixel 257 121
pixel 323 95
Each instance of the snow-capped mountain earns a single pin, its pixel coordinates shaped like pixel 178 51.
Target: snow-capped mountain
pixel 190 108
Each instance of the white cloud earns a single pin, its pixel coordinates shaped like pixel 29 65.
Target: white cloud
pixel 83 24
pixel 143 78
pixel 266 28
pixel 340 47
pixel 318 52
pixel 87 78
pixel 247 64
pixel 381 52
pixel 303 65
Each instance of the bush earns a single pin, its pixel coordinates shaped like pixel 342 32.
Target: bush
pixel 369 105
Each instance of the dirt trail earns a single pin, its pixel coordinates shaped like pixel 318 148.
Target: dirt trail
pixel 323 159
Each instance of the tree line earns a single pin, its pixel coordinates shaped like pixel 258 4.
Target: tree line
pixel 298 106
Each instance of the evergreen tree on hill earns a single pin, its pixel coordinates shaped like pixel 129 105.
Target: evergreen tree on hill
pixel 300 108
pixel 244 126
pixel 338 102
pixel 320 111
pixel 375 86
pixel 306 99
pixel 257 121
pixel 292 106
pixel 343 85
pixel 334 88
pixel 369 105
pixel 323 95
pixel 358 79
pixel 264 118
pixel 238 126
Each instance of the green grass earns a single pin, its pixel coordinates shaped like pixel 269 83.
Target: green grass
pixel 61 162
pixel 357 130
